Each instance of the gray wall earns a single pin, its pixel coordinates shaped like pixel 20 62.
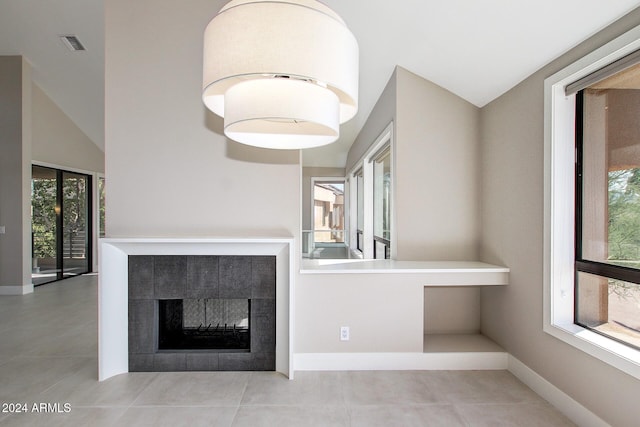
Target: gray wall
pixel 437 170
pixel 512 234
pixel 383 113
pixel 58 141
pixel 15 174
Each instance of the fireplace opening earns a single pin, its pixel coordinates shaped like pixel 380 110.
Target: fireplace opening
pixel 204 324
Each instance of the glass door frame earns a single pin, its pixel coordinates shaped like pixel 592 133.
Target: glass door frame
pixel 91 217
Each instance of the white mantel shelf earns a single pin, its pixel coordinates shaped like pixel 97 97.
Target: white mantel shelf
pixel 432 273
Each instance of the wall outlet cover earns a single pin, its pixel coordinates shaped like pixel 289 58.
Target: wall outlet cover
pixel 344 333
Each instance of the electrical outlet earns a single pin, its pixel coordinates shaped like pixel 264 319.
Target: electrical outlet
pixel 2 231
pixel 344 333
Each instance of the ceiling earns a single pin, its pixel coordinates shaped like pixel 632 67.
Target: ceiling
pixel 476 49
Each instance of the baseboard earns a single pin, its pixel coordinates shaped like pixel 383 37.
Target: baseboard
pixel 552 394
pixel 16 290
pixel 399 361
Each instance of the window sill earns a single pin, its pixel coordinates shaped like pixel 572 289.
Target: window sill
pixel 610 351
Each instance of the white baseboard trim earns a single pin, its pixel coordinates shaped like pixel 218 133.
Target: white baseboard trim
pixel 552 394
pixel 16 290
pixel 399 361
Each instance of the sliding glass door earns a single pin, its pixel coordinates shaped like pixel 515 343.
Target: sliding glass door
pixel 61 224
pixel 76 224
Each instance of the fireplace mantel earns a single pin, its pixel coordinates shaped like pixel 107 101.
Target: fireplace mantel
pixel 113 290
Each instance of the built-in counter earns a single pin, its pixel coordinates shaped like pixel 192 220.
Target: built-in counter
pixel 433 273
pixel 382 303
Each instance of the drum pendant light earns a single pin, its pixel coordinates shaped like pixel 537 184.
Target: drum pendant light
pixel 283 74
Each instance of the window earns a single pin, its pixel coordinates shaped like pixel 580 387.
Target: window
pixel 607 289
pixel 581 267
pixel 328 211
pixel 382 203
pixel 372 180
pixel 359 178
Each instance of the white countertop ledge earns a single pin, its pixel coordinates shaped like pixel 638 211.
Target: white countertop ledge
pixel 437 273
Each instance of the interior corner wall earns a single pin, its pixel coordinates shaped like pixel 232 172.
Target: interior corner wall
pixel 169 168
pixel 57 140
pixel 436 137
pixel 512 157
pixel 15 175
pixel 437 170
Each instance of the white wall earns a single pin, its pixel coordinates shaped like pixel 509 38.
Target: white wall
pixel 374 306
pixel 170 170
pixel 512 234
pixel 57 140
pixel 15 175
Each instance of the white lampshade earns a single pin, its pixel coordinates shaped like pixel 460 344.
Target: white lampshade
pixel 302 62
pixel 281 113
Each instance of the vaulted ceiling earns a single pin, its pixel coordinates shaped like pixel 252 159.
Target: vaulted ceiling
pixel 476 49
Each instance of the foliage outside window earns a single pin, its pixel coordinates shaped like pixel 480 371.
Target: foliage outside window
pixel 43 204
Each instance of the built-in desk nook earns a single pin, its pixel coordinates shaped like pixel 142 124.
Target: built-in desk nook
pixel 395 297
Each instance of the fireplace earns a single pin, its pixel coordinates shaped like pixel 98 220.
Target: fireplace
pixel 202 313
pixel 204 324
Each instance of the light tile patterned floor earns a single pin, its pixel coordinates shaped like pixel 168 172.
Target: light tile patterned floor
pixel 48 350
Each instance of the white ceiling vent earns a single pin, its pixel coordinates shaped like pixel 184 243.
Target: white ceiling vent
pixel 72 42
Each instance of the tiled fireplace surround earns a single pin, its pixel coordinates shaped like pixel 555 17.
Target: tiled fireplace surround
pixel 160 277
pixel 113 292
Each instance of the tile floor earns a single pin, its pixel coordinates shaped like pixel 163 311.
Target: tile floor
pixel 48 350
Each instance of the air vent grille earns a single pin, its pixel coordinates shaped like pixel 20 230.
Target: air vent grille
pixel 72 42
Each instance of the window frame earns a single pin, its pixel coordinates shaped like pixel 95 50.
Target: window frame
pixel 582 264
pixel 559 208
pixel 329 179
pixel 365 166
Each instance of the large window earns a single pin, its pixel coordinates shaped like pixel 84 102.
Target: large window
pixel 607 263
pixel 590 204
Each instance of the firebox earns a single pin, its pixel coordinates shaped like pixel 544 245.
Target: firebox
pixel 204 324
pixel 202 313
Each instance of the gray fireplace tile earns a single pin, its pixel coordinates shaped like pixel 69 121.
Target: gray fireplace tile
pixel 202 277
pixel 235 276
pixel 140 277
pixel 142 326
pixel 166 362
pixel 202 362
pixel 235 362
pixel 264 361
pixel 141 363
pixel 263 325
pixel 170 276
pixel 263 277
